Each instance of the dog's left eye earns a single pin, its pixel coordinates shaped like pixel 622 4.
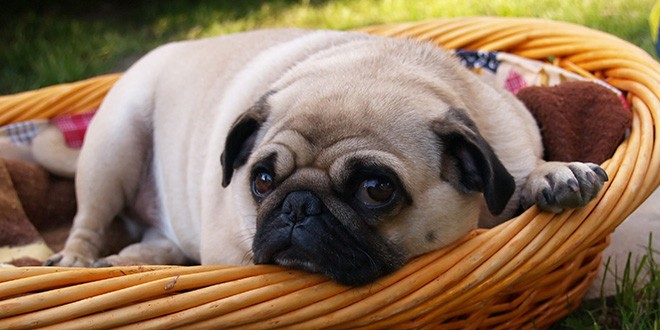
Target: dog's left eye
pixel 375 192
pixel 262 184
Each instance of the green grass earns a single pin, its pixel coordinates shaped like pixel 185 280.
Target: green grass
pixel 50 42
pixel 636 304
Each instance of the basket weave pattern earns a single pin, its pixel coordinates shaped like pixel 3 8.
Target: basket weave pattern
pixel 526 273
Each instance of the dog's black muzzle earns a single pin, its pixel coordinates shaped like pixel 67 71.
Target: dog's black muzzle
pixel 304 234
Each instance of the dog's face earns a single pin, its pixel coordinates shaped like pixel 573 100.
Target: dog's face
pixel 352 179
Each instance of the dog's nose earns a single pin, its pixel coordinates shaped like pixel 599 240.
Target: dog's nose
pixel 301 204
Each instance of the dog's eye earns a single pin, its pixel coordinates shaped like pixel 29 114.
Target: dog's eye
pixel 376 191
pixel 262 184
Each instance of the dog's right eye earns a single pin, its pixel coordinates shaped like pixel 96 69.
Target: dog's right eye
pixel 376 191
pixel 262 184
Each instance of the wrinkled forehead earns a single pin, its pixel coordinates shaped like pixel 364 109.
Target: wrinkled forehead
pixel 316 139
pixel 326 112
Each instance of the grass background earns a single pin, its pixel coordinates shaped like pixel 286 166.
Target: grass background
pixel 49 42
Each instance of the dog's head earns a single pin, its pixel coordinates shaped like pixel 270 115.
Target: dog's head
pixel 357 170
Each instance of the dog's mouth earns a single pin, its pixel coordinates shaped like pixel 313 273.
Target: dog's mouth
pixel 303 234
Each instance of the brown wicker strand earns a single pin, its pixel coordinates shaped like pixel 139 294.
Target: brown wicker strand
pixel 57 278
pixel 74 97
pixel 84 299
pixel 199 290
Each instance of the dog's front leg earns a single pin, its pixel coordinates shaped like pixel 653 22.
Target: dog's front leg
pixel 556 186
pixel 115 155
pixel 107 180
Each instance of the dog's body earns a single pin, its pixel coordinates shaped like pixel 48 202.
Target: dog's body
pixel 342 153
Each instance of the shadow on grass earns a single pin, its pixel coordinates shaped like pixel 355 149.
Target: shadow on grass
pixel 50 42
pixel 138 11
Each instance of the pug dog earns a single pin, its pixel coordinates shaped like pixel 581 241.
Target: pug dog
pixel 337 153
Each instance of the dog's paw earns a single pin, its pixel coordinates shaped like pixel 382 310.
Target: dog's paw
pixel 82 249
pixel 116 260
pixel 69 259
pixel 556 186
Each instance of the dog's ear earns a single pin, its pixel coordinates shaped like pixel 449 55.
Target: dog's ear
pixel 469 163
pixel 241 139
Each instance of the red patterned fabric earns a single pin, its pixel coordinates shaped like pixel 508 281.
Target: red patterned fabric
pixel 73 127
pixel 514 82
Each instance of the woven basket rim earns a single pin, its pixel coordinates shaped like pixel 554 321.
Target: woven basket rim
pixel 488 278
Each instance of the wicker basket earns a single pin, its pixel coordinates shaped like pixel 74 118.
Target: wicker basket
pixel 526 273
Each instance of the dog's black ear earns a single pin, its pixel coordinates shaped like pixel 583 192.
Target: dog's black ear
pixel 469 163
pixel 241 139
